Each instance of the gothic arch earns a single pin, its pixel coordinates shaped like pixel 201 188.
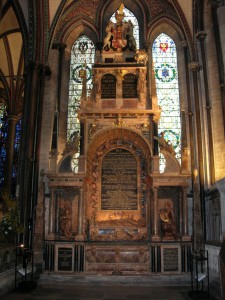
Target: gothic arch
pixel 74 14
pixel 167 26
pixel 107 10
pixel 74 28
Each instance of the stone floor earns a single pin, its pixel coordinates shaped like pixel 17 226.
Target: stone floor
pixel 62 287
pixel 90 292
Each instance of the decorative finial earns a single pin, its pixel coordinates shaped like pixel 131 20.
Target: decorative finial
pixel 120 10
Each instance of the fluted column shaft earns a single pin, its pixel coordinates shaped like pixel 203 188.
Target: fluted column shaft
pixel 156 218
pixel 185 211
pixel 198 180
pixel 80 235
pixel 201 37
pixel 52 215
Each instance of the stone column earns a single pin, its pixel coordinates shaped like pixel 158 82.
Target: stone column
pixel 185 152
pixel 39 226
pixel 155 236
pixel 180 197
pixel 54 146
pixel 57 212
pixel 185 236
pixel 201 36
pixel 80 236
pixel 12 120
pixel 30 142
pixel 198 178
pixel 156 119
pixel 51 234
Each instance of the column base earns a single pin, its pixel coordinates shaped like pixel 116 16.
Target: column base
pixel 186 238
pixel 156 238
pixel 51 236
pixel 79 237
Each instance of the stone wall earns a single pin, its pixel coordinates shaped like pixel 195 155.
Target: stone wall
pixel 214 270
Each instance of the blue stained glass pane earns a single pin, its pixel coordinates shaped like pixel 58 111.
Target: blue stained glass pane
pixel 166 76
pixel 3 142
pixel 16 155
pixel 3 138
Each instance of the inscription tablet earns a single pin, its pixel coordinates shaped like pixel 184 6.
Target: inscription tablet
pixel 65 259
pixel 108 86
pixel 119 181
pixel 130 86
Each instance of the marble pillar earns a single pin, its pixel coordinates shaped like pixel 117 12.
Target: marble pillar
pixel 51 234
pixel 155 236
pixel 185 236
pixel 80 236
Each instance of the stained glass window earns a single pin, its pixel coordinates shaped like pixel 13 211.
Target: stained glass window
pixel 16 156
pixel 82 58
pixel 166 75
pixel 129 16
pixel 3 138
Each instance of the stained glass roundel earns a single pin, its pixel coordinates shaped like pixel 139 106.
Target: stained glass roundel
pixel 77 71
pixel 166 73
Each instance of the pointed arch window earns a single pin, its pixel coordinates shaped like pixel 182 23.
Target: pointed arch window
pixel 166 75
pixel 82 58
pixel 4 127
pixel 129 16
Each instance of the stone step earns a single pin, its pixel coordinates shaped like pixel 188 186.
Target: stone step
pixel 103 280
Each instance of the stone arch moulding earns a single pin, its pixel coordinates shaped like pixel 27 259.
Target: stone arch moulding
pixel 108 8
pixel 65 30
pixel 178 31
pixel 134 213
pixel 167 26
pixel 118 133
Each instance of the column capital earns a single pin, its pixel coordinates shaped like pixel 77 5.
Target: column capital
pixel 146 45
pixel 44 69
pixel 156 116
pixel 12 117
pixel 59 46
pixel 155 188
pixel 30 67
pixel 213 3
pixel 201 35
pixel 184 44
pixel 184 188
pixel 194 66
